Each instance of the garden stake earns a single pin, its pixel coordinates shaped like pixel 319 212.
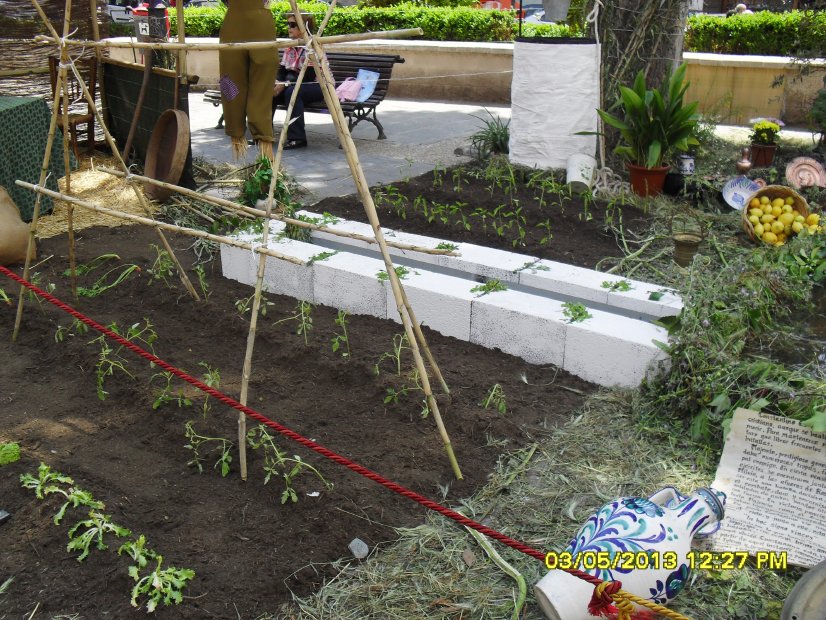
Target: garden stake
pixel 346 141
pixel 163 225
pixel 111 142
pixel 251 211
pixel 262 262
pixel 44 168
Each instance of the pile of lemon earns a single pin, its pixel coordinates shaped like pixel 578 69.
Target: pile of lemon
pixel 776 220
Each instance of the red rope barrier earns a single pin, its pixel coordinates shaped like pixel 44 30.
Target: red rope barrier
pixel 286 432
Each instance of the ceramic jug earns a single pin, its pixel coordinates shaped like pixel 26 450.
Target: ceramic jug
pixel 643 542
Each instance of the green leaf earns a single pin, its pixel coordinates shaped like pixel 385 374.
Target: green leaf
pixel 817 422
pixel 9 453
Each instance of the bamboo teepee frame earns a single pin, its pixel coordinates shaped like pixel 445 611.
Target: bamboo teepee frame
pixel 315 47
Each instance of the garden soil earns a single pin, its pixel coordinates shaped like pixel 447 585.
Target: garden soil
pixel 249 550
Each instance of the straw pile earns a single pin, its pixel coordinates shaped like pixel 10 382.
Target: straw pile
pixel 97 188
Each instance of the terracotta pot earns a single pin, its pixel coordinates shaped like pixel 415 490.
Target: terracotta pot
pixel 762 155
pixel 647 181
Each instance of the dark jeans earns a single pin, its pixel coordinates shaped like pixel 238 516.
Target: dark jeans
pixel 309 92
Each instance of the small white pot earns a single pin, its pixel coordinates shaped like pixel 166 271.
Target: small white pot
pixel 563 596
pixel 580 172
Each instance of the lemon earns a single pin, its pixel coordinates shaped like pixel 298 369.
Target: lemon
pixel 789 200
pixel 777 227
pixel 797 226
pixel 798 217
pixel 778 202
pixel 776 211
pixel 768 218
pixel 813 219
pixel 758 229
pixel 757 212
pixel 764 200
pixel 769 237
pixel 754 220
pixel 754 203
pixel 786 208
pixel 786 218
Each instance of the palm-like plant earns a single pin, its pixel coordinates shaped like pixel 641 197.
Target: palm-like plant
pixel 654 122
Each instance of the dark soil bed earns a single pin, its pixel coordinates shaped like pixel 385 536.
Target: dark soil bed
pixel 248 550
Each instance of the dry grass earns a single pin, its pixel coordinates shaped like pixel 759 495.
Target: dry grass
pixel 540 495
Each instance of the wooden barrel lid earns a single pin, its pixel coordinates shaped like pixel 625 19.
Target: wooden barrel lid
pixel 166 153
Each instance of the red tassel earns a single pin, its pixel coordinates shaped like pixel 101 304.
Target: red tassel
pixel 602 601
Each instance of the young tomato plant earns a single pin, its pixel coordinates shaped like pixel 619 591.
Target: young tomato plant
pixel 342 338
pixel 197 443
pixel 302 316
pixel 575 313
pixel 495 398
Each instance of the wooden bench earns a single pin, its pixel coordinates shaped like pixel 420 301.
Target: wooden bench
pixel 345 65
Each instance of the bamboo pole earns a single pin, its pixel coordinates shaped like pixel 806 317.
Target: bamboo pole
pixel 44 168
pixel 246 371
pixel 19 72
pixel 333 104
pixel 151 222
pixel 111 142
pixel 249 45
pixel 239 208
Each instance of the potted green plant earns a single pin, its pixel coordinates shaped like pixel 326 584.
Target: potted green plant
pixel 764 136
pixel 653 124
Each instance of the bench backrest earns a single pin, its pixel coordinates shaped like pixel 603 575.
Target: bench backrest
pixel 344 65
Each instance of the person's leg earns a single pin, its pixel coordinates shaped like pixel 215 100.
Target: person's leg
pixel 308 93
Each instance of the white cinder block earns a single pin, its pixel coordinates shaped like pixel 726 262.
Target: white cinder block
pixel 237 264
pixel 567 280
pixel 286 278
pixel 349 282
pixel 486 262
pixel 612 350
pixel 439 302
pixel 520 324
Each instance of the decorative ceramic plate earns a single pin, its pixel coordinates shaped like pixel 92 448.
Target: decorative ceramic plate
pixel 804 172
pixel 737 191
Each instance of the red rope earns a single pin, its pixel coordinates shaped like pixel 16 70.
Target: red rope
pixel 286 432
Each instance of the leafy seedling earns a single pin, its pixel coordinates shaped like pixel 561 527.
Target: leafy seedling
pixel 75 498
pixel 161 585
pixel 166 394
pixel 46 483
pixel 93 530
pixel 619 285
pixel 245 305
pixel 342 338
pixel 9 453
pixel 491 286
pixel 197 444
pixel 77 328
pixel 575 313
pixel 400 343
pixel 303 316
pixel 495 398
pixel 401 272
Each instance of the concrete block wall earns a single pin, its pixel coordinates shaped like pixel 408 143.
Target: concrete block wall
pixel 609 349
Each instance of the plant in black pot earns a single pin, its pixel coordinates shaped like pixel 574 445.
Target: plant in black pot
pixel 653 123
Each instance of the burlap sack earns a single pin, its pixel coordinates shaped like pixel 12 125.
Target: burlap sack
pixel 14 233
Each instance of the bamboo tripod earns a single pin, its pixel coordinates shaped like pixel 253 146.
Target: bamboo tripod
pixel 314 45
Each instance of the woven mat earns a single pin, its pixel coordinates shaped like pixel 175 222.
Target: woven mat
pixel 99 189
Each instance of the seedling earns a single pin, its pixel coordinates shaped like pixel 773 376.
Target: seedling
pixel 491 286
pixel 77 328
pixel 619 285
pixel 197 444
pixel 166 394
pixel 303 316
pixel 93 530
pixel 163 268
pixel 575 313
pixel 393 395
pixel 202 281
pixel 277 463
pixel 339 339
pixel 46 483
pixel 9 453
pixel 245 305
pixel 316 258
pixel 161 585
pixel 400 343
pixel 110 360
pixel 212 377
pixel 101 286
pixel 445 245
pixel 495 398
pixel 76 497
pixel 401 272
pixel 546 225
pixel 4 297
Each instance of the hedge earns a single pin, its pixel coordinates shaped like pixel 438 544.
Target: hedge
pixel 796 33
pixel 438 23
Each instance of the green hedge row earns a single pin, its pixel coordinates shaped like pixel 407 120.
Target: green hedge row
pixel 796 33
pixel 438 24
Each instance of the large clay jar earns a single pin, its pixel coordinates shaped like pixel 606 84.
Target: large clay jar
pixel 644 543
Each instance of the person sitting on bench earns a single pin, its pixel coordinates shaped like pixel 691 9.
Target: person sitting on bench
pixel 310 91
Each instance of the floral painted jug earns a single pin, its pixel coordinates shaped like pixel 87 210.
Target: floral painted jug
pixel 645 543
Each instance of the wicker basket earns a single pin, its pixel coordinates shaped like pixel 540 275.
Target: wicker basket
pixel 773 191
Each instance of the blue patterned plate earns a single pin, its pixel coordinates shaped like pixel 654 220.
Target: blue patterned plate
pixel 738 190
